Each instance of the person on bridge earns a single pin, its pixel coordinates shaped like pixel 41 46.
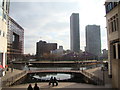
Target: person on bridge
pixel 30 87
pixel 55 81
pixel 36 87
pixel 51 80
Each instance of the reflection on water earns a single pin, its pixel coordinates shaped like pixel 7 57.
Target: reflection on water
pixel 59 76
pixel 52 68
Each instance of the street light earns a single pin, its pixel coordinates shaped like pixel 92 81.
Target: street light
pixel 103 69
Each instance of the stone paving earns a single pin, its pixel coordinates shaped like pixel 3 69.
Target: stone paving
pixel 61 85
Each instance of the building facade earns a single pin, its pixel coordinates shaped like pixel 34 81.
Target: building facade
pixel 113 33
pixel 43 47
pixel 93 40
pixel 58 52
pixel 74 32
pixel 4 11
pixel 15 40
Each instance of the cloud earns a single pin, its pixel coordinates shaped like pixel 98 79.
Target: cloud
pixel 50 20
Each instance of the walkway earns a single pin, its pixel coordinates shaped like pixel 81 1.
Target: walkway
pixel 62 85
pixel 11 74
pixel 11 77
pixel 99 73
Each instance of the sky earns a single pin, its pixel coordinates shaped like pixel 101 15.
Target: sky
pixel 49 20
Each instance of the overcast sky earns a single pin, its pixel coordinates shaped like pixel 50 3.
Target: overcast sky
pixel 49 20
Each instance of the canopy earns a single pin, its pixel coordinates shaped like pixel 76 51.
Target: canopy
pixel 1 66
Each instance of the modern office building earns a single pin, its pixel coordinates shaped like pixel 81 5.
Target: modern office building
pixel 15 40
pixel 93 40
pixel 4 11
pixel 74 32
pixel 43 47
pixel 113 33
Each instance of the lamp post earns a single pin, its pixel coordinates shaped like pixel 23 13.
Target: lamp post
pixel 103 69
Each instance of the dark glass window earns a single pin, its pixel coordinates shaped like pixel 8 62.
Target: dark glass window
pixel 118 51
pixel 0 32
pixel 3 34
pixel 114 52
pixel 112 27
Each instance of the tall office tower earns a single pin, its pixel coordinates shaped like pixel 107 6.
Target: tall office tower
pixel 15 40
pixel 4 11
pixel 113 33
pixel 93 40
pixel 74 32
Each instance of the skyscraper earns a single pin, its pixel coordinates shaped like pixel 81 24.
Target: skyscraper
pixel 93 40
pixel 74 32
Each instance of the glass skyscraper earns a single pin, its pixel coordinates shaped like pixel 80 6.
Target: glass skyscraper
pixel 74 32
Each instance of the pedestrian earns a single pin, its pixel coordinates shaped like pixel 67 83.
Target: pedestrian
pixel 55 81
pixel 51 80
pixel 36 87
pixel 30 87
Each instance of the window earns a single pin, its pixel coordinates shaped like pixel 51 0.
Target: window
pixel 110 6
pixel 118 51
pixel 0 11
pixel 3 34
pixel 113 23
pixel 4 16
pixel 3 4
pixel 0 3
pixel 114 51
pixel 0 32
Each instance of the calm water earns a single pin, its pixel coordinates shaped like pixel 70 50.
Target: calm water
pixel 47 76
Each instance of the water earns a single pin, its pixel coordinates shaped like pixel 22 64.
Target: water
pixel 52 68
pixel 59 76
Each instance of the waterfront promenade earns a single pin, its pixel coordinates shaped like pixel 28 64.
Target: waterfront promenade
pixel 11 77
pixel 44 85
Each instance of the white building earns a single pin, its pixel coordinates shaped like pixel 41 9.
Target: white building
pixel 4 10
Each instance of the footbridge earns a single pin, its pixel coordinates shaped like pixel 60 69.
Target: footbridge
pixel 88 77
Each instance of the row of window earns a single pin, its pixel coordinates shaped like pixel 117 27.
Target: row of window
pixel 2 33
pixel 4 7
pixel 113 24
pixel 110 6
